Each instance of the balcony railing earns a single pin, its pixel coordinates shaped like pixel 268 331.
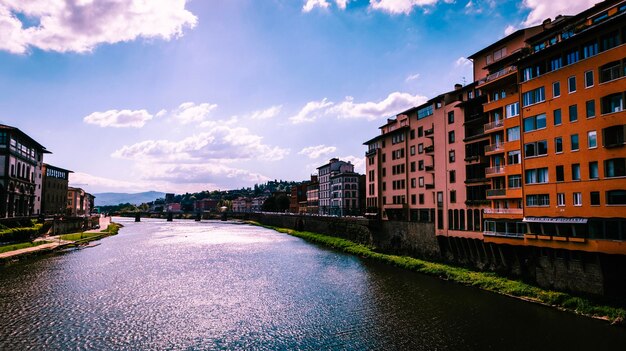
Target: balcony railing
pixel 370 152
pixel 429 168
pixel 496 192
pixel 494 147
pixel 493 125
pixel 429 149
pixel 506 234
pixel 430 186
pixel 497 75
pixel 504 211
pixel 429 132
pixel 494 170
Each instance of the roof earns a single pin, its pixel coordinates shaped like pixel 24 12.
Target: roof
pixel 517 33
pixel 46 165
pixel 25 136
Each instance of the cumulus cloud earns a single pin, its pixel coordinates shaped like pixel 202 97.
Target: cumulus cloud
pixel 215 173
pixel 462 62
pixel 190 112
pixel 397 7
pixel 311 111
pixel 317 151
pixel 412 77
pixel 80 26
pixel 348 109
pixel 311 4
pixel 220 144
pixel 509 30
pixel 267 113
pixel 119 118
pixel 358 162
pixel 541 9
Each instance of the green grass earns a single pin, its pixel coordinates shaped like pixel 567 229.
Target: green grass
pixel 79 236
pixel 112 228
pixel 484 280
pixel 13 247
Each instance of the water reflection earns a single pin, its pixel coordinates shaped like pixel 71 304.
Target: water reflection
pixel 185 285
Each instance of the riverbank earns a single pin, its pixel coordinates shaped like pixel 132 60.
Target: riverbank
pixel 484 280
pixel 50 244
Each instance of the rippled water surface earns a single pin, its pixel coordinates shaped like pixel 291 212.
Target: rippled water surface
pixel 185 285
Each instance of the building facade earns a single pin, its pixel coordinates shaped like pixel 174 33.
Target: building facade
pixel 333 167
pixel 21 160
pixel 54 190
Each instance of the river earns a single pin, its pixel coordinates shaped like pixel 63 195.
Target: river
pixel 188 285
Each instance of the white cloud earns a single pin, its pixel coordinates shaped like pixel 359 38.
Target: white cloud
pixel 311 111
pixel 509 30
pixel 212 173
pixel 541 9
pixel 311 4
pixel 119 119
pixel 267 113
pixel 93 183
pixel 220 144
pixel 397 7
pixel 412 77
pixel 80 26
pixel 462 62
pixel 342 4
pixel 317 151
pixel 358 162
pixel 393 104
pixel 189 112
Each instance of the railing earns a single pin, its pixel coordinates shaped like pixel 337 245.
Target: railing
pixel 429 168
pixel 493 125
pixel 498 74
pixel 430 186
pixel 504 211
pixel 494 147
pixel 494 170
pixel 371 152
pixel 496 192
pixel 510 235
pixel 429 149
pixel 429 132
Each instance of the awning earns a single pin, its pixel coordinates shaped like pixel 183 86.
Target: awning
pixel 555 220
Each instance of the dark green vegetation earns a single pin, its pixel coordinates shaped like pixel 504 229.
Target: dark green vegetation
pixel 483 280
pixel 20 231
pixel 13 247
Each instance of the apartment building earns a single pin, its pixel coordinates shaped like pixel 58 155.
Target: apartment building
pixel 312 196
pixel 54 190
pixel 344 194
pixel 570 134
pixel 21 159
pixel 333 167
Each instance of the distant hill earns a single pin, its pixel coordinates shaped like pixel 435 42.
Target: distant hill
pixel 108 199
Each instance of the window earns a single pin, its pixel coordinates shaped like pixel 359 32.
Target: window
pixel 420 165
pixel 450 137
pixel 556 63
pixel 535 122
pixel 512 110
pixel 615 167
pixel 557 116
pixel 612 103
pixel 560 199
pixel 412 150
pixel 588 79
pixel 413 166
pixel 515 181
pixel 594 198
pixel 610 71
pixel 556 89
pixel 538 200
pixel 571 84
pixel 536 176
pixel 576 171
pixel 593 170
pixel 609 41
pixel 560 174
pixel 452 176
pixel 421 199
pixel 590 107
pixel 413 199
pixel 534 96
pixel 573 113
pixel 425 112
pixel 558 144
pixel 590 49
pixel 412 134
pixel 578 199
pixel 451 156
pixel 616 197
pixel 452 196
pixel 420 148
pixel 420 132
pixel 592 140
pixel 574 142
pixel 413 183
pixel 572 57
pixel 513 157
pixel 512 134
pixel 450 117
pixel 536 148
pixel 421 182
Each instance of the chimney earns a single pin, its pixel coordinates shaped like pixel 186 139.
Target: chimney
pixel 458 86
pixel 546 22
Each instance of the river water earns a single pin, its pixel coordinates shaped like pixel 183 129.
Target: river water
pixel 186 285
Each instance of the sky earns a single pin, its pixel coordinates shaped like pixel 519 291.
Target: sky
pixel 191 95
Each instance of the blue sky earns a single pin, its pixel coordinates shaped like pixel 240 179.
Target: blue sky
pixel 176 95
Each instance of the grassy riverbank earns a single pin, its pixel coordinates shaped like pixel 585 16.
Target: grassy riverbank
pixel 483 280
pixel 13 247
pixel 85 237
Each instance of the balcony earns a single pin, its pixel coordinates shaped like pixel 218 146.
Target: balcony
pixel 496 192
pixel 370 152
pixel 495 76
pixel 430 186
pixel 429 168
pixel 496 125
pixel 497 147
pixel 429 149
pixel 516 211
pixel 506 234
pixel 429 132
pixel 494 170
